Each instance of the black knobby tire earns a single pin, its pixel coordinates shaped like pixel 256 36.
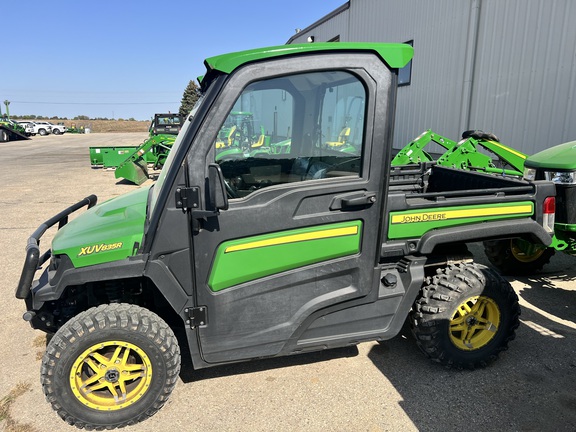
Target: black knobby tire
pixel 465 316
pixel 113 350
pixel 507 256
pixel 4 136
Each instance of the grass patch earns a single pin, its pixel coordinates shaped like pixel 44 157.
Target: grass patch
pixel 6 402
pixel 39 341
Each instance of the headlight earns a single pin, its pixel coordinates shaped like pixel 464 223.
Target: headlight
pixel 561 177
pixel 529 174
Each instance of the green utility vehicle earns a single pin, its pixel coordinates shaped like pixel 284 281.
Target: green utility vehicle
pixel 277 253
pixel 521 256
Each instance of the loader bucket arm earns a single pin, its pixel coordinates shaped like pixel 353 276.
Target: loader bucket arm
pixel 414 152
pixel 466 155
pixel 135 167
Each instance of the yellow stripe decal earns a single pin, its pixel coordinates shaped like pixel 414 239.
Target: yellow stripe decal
pixel 514 152
pixel 316 235
pixel 459 214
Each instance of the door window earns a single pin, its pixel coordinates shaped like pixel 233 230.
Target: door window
pixel 303 127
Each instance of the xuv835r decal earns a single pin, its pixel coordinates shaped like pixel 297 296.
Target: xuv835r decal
pixel 247 259
pixel 415 223
pixel 89 250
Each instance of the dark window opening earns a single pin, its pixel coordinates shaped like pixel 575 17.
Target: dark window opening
pixel 405 74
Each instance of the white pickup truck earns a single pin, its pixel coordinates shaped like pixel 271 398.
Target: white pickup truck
pixel 33 128
pixel 56 129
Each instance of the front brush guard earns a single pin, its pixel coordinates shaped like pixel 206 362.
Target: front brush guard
pixel 33 259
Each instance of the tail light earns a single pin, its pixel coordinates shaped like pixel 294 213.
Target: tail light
pixel 549 211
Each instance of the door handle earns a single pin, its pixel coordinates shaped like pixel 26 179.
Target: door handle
pixel 364 200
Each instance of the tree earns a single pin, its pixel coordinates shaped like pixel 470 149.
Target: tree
pixel 191 95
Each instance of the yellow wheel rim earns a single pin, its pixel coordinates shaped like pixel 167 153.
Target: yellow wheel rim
pixel 526 252
pixel 474 323
pixel 111 375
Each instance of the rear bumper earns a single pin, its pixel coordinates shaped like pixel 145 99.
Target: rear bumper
pixel 34 260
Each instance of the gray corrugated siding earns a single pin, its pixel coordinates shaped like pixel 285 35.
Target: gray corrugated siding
pixel 336 26
pixel 524 71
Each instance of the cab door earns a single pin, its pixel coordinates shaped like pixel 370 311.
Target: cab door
pixel 302 160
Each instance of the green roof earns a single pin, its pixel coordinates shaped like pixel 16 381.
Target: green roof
pixel 395 55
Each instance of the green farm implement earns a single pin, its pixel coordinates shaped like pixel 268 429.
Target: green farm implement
pixel 152 151
pixel 131 162
pixel 11 131
pixel 468 154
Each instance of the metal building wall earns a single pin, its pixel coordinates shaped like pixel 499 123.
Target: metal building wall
pixel 507 67
pixel 335 24
pixel 525 74
pixel 438 29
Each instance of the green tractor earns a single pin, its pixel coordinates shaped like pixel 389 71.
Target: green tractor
pixel 521 256
pixel 239 137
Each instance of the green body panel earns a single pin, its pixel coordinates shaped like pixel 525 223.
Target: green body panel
pixel 415 223
pixel 560 157
pixel 395 55
pixel 247 259
pixel 108 232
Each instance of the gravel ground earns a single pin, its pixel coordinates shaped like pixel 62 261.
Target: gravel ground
pixel 374 387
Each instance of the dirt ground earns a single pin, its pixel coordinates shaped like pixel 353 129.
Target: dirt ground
pixel 372 387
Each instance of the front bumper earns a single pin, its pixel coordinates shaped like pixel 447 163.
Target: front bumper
pixel 33 259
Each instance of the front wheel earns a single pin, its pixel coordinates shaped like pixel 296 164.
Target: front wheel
pixel 42 132
pixel 465 316
pixel 517 256
pixel 56 131
pixel 110 366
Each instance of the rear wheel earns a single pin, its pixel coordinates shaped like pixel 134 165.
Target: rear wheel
pixel 42 132
pixel 517 256
pixel 4 136
pixel 465 316
pixel 110 366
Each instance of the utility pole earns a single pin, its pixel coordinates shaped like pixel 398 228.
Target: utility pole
pixel 7 102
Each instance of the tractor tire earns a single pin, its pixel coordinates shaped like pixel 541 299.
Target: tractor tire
pixel 4 137
pixel 110 366
pixel 465 316
pixel 42 132
pixel 517 256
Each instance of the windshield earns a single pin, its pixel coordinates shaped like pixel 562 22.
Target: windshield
pixel 157 187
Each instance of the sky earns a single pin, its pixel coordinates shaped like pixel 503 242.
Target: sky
pixel 129 58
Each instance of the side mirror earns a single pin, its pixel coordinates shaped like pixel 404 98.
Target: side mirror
pixel 217 188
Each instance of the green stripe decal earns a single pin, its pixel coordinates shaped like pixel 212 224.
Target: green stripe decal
pixel 247 259
pixel 415 223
